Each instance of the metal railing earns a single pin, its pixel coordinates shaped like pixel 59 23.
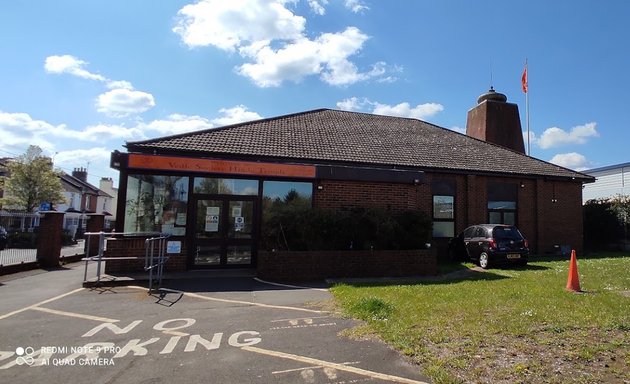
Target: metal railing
pixel 154 257
pixel 12 256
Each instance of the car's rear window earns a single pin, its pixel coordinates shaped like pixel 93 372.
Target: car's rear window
pixel 506 233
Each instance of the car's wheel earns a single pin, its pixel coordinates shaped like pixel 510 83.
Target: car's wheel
pixel 484 260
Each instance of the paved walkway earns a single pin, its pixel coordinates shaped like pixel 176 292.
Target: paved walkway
pixel 204 328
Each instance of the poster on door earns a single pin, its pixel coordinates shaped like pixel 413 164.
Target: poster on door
pixel 239 223
pixel 212 223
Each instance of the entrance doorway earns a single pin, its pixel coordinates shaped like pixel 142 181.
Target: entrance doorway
pixel 224 232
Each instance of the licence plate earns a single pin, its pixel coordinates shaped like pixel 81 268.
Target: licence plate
pixel 513 256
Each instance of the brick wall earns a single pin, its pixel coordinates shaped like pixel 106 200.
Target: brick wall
pixel 346 194
pixel 135 247
pixel 318 265
pixel 543 222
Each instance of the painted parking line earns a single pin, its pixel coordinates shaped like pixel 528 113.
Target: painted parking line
pixel 74 314
pixel 289 285
pixel 311 367
pixel 190 294
pixel 328 364
pixel 38 304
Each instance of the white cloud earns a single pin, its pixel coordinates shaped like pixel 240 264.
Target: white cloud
pixel 236 23
pixel 71 65
pixel 19 130
pixel 327 56
pixel 177 123
pixel 355 6
pixel 317 6
pixel 555 137
pixel 404 109
pixel 235 115
pixel 420 111
pixel 274 42
pixel 571 160
pixel 351 104
pixel 70 158
pixel 123 102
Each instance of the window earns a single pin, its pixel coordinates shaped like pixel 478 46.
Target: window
pixel 502 203
pixel 156 203
pixel 216 186
pixel 280 197
pixel 443 216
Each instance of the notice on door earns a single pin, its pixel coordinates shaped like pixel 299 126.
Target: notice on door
pixel 239 223
pixel 212 223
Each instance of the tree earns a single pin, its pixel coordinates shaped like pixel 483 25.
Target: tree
pixel 31 181
pixel 620 206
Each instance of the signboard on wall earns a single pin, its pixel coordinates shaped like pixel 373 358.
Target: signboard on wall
pixel 173 247
pixel 170 163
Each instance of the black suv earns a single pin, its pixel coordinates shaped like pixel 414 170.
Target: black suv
pixel 490 244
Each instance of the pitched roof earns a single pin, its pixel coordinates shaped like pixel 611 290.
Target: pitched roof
pixel 78 185
pixel 326 135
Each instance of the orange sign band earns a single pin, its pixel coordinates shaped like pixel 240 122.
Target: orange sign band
pixel 169 163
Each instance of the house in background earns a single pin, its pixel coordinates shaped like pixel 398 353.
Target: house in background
pixel 82 198
pixel 609 181
pixel 107 201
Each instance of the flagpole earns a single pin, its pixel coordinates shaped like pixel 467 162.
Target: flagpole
pixel 527 107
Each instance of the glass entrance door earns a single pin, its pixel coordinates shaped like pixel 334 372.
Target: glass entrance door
pixel 224 231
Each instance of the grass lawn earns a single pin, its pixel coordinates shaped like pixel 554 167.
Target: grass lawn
pixel 506 325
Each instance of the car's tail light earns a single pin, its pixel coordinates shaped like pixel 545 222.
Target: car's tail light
pixel 525 243
pixel 492 244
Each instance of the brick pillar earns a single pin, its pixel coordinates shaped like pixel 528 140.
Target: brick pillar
pixel 95 223
pixel 49 239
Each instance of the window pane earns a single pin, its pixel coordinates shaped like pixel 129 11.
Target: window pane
pixel 495 218
pixel 208 255
pixel 501 204
pixel 443 229
pixel 239 254
pixel 509 218
pixel 156 204
pixel 280 197
pixel 443 207
pixel 216 186
pixel 209 219
pixel 241 219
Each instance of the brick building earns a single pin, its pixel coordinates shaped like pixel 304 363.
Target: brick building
pixel 208 188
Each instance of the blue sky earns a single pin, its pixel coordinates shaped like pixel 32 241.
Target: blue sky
pixel 79 78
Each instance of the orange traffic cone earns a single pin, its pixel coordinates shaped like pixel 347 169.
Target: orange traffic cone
pixel 573 282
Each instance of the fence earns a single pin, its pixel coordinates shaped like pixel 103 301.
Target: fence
pixel 18 237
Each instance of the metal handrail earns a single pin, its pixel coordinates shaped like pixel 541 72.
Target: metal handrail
pixel 101 247
pixel 149 257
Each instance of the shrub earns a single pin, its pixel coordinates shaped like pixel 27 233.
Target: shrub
pixel 295 226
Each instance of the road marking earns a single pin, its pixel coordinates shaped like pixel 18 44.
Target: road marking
pixel 252 303
pixel 77 315
pixel 40 303
pixel 300 318
pixel 311 367
pixel 290 286
pixel 341 367
pixel 189 294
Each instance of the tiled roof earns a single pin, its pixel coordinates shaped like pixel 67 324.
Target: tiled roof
pixel 326 135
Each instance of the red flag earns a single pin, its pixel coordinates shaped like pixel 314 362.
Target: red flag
pixel 524 79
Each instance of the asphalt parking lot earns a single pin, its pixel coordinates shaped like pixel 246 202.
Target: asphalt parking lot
pixel 211 330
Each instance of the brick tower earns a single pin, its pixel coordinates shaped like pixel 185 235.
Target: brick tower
pixel 496 121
